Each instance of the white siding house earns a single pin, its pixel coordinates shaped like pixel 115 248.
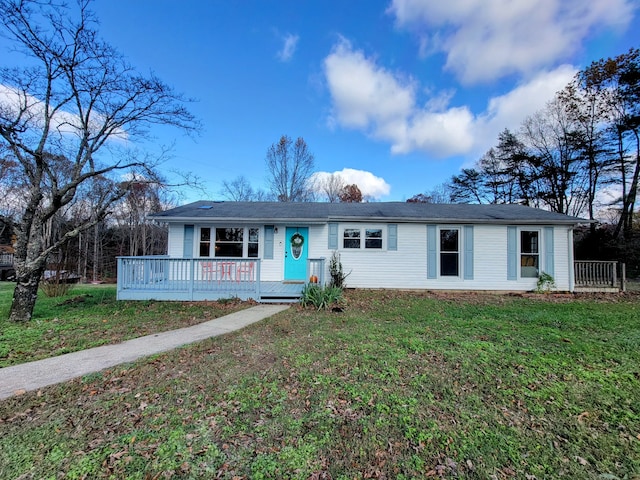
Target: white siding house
pixel 381 245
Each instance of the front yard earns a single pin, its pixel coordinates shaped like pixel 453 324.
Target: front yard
pixel 400 385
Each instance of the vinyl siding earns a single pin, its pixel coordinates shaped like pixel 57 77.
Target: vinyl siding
pixel 406 267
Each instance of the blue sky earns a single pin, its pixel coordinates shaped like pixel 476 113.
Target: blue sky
pixel 402 93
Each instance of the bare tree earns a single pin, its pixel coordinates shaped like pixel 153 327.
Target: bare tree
pixel 65 123
pixel 441 193
pixel 551 138
pixel 290 166
pixel 238 190
pixel 587 103
pixel 330 186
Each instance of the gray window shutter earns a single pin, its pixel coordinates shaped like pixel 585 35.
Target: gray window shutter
pixel 432 255
pixel 512 253
pixel 548 251
pixel 187 246
pixel 392 236
pixel 268 242
pixel 333 236
pixel 468 252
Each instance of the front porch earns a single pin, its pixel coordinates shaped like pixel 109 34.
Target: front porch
pixel 190 279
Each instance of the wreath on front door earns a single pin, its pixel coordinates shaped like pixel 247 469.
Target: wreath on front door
pixel 297 240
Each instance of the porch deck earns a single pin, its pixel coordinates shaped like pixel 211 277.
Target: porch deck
pixel 265 292
pixel 164 278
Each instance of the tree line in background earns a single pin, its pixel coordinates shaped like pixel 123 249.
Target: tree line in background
pixel 580 156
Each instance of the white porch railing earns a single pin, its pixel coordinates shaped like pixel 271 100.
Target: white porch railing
pixel 594 274
pixel 165 278
pixel 315 270
pixel 6 258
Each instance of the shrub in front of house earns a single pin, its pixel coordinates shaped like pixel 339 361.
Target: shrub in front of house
pixel 322 298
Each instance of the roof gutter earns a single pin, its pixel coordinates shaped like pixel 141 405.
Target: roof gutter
pixel 320 221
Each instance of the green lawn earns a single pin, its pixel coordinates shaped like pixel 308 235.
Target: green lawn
pixel 90 316
pixel 399 385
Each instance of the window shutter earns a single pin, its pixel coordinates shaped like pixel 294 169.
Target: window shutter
pixel 512 253
pixel 468 252
pixel 432 265
pixel 268 242
pixel 548 251
pixel 333 236
pixel 392 236
pixel 187 246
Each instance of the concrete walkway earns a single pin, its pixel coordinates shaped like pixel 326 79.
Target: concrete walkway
pixel 30 376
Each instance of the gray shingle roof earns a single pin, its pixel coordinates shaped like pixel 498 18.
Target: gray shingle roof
pixel 274 212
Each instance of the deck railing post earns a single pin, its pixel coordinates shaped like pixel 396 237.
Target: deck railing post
pixel 321 276
pixel 191 277
pixel 119 273
pixel 258 280
pixel 623 277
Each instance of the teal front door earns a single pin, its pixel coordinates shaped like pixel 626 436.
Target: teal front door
pixel 296 246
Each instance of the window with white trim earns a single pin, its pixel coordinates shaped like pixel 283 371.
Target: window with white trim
pixel 529 253
pixel 449 252
pixel 253 243
pixel 229 242
pixel 357 238
pixel 373 238
pixel 205 242
pixel 351 238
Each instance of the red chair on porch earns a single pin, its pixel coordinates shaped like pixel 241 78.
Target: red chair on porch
pixel 244 272
pixel 216 271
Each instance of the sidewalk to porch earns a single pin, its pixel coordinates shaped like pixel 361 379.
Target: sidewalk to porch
pixel 31 376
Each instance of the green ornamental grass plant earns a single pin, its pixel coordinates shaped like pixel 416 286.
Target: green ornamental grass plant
pixel 321 297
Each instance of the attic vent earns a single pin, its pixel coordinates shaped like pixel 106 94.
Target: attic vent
pixel 205 207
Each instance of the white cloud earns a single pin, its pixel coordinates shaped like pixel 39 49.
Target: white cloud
pixel 365 93
pixel 382 104
pixel 370 186
pixel 13 101
pixel 510 109
pixel 289 47
pixel 489 39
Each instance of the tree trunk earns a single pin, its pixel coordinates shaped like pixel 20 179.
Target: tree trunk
pixel 29 263
pixel 633 191
pixel 25 295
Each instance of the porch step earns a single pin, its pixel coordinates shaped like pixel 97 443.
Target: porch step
pixel 279 298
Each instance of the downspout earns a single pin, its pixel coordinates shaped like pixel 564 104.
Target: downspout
pixel 572 280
